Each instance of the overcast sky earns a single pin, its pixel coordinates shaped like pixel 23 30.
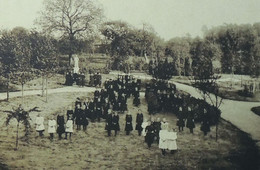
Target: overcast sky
pixel 170 18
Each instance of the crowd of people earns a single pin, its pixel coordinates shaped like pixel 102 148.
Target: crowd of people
pixel 95 80
pixel 111 101
pixel 162 69
pixel 75 78
pixel 162 96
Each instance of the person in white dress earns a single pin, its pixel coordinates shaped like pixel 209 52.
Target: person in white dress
pixel 171 141
pixel 144 125
pixel 164 124
pixel 69 128
pixel 39 124
pixel 163 145
pixel 52 127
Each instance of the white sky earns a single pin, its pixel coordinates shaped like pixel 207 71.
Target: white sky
pixel 170 18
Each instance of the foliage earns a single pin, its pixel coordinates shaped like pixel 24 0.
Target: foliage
pixel 21 116
pixel 71 20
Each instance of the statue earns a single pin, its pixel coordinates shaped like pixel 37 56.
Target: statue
pixel 76 64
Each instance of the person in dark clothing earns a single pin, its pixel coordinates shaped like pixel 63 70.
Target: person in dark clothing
pixel 77 114
pixel 84 119
pixel 190 121
pixel 108 127
pixel 128 123
pixel 60 125
pixel 157 128
pixel 139 121
pixel 70 113
pixel 115 123
pixel 180 121
pixel 205 126
pixel 136 101
pixel 149 137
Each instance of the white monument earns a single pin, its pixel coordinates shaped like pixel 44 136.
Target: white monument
pixel 76 64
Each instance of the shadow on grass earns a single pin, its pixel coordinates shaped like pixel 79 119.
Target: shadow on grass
pixel 244 156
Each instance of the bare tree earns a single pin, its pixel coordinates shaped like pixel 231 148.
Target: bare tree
pixel 71 19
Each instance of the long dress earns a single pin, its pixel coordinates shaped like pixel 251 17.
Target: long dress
pixel 149 137
pixel 51 126
pixel 144 125
pixel 115 123
pixel 139 121
pixel 163 139
pixel 171 141
pixel 69 126
pixel 60 122
pixel 128 123
pixel 39 124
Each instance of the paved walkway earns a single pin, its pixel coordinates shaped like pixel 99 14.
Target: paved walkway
pixel 50 91
pixel 237 112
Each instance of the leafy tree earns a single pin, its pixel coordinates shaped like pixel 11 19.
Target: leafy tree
pixel 71 19
pixel 179 50
pixel 206 83
pixel 22 117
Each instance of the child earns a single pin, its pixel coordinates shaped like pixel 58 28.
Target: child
pixel 69 127
pixel 39 124
pixel 51 127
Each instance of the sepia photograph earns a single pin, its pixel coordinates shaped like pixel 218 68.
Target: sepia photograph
pixel 129 85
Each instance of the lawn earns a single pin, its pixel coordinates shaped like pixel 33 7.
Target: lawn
pixel 94 150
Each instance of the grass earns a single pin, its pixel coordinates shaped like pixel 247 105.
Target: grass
pixel 94 150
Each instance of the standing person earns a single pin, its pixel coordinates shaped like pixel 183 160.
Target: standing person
pixel 157 128
pixel 128 123
pixel 144 125
pixel 51 127
pixel 171 141
pixel 180 120
pixel 149 137
pixel 115 123
pixel 77 114
pixel 164 124
pixel 70 113
pixel 39 124
pixel 163 140
pixel 84 118
pixel 108 127
pixel 139 121
pixel 190 123
pixel 205 126
pixel 69 127
pixel 60 123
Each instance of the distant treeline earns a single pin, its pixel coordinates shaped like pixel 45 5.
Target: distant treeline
pixel 226 49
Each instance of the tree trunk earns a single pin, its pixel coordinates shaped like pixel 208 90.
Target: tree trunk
pixel 22 92
pixel 17 132
pixel 70 56
pixel 46 89
pixel 217 131
pixel 42 85
pixel 7 88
